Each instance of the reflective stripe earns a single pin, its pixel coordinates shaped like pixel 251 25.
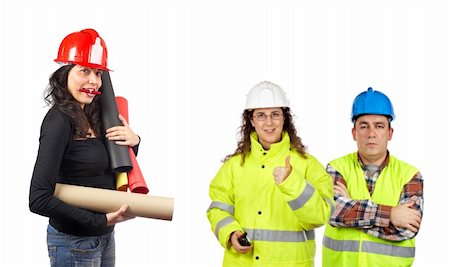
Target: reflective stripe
pixel 386 249
pixel 310 235
pixel 223 206
pixel 341 245
pixel 369 247
pixel 333 207
pixel 303 198
pixel 279 236
pixel 225 221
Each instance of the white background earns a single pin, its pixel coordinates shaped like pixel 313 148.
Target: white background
pixel 185 68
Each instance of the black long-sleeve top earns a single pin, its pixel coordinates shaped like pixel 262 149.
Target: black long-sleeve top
pixel 61 159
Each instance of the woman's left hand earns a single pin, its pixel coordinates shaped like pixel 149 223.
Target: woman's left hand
pixel 123 135
pixel 281 173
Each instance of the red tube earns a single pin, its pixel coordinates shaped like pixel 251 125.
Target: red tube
pixel 136 181
pixel 122 106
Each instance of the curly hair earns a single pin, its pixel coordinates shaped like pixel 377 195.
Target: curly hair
pixel 57 96
pixel 243 145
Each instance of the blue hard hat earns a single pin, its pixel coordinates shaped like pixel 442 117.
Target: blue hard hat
pixel 372 102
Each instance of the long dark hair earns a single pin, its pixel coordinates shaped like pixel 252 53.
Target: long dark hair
pixel 57 96
pixel 243 146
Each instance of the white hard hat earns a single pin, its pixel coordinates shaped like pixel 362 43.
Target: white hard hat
pixel 266 95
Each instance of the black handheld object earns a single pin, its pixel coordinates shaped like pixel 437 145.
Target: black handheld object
pixel 243 240
pixel 119 156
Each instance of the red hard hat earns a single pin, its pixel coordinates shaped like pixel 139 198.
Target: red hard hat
pixel 85 48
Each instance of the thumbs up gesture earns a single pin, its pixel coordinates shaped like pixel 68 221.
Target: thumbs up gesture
pixel 281 173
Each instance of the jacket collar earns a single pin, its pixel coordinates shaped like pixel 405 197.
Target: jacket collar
pixel 258 150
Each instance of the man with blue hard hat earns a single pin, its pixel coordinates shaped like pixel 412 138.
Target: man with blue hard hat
pixel 379 198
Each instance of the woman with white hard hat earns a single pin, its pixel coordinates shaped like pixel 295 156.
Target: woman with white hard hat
pixel 270 194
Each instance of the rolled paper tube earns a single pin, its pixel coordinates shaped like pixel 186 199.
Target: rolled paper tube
pixel 122 181
pixel 118 155
pixel 106 201
pixel 136 181
pixel 122 107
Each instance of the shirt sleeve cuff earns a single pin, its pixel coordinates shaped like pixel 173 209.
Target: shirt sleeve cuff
pixel 383 216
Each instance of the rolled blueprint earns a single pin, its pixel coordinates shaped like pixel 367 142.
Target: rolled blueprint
pixel 119 156
pixel 136 181
pixel 104 200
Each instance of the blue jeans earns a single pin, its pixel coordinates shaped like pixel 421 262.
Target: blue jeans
pixel 67 250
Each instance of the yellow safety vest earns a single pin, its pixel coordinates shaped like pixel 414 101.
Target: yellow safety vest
pixel 279 219
pixel 350 247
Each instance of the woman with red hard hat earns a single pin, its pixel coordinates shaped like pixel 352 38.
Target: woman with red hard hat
pixel 72 151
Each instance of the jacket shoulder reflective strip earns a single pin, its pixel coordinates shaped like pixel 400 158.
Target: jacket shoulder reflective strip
pixel 225 221
pixel 279 236
pixel 303 198
pixel 369 247
pixel 223 206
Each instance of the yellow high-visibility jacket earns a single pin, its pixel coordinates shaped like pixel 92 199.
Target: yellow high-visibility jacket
pixel 345 246
pixel 279 219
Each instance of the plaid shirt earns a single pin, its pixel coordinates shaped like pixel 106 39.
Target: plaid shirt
pixel 370 217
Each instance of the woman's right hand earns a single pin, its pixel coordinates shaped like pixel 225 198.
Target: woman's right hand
pixel 118 216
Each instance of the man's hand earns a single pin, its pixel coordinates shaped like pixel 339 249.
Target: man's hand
pixel 405 216
pixel 341 190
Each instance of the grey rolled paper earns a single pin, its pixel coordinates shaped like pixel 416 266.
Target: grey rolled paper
pixel 118 155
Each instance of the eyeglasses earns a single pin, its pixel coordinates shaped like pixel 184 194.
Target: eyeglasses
pixel 260 116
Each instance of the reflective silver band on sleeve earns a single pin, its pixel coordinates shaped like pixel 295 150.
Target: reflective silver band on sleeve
pixel 223 206
pixel 225 221
pixel 303 198
pixel 333 207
